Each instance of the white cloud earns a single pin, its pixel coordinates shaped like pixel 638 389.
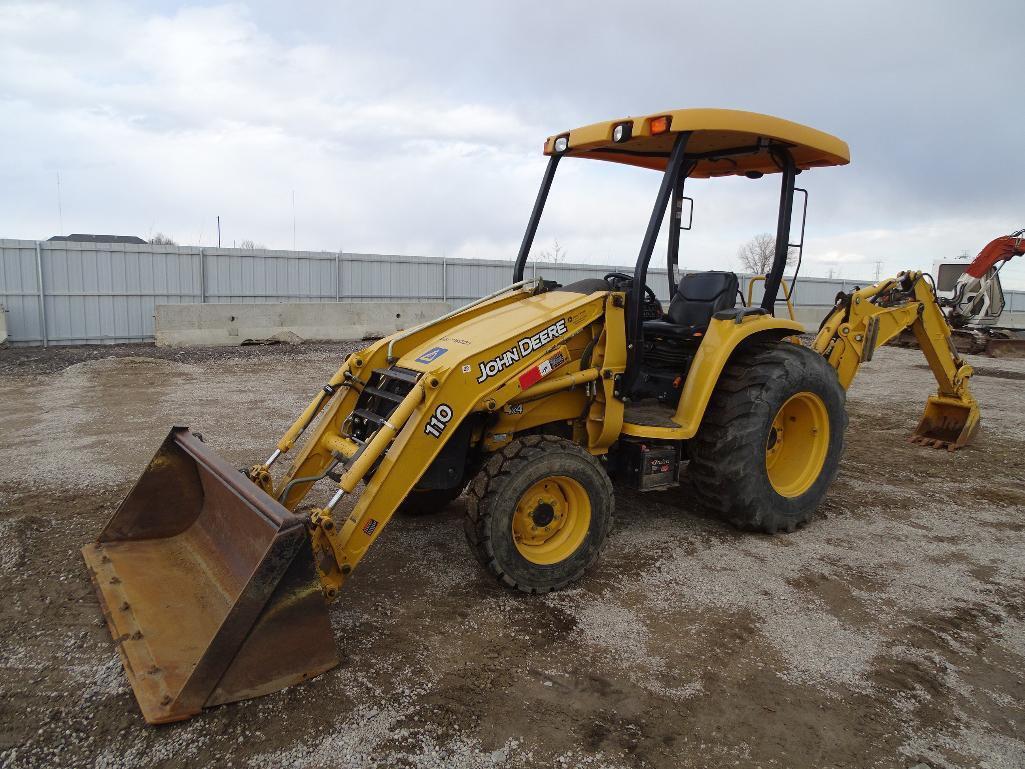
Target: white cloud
pixel 418 129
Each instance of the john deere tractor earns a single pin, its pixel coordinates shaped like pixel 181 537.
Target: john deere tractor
pixel 536 400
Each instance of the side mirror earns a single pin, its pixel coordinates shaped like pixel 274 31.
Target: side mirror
pixel 678 215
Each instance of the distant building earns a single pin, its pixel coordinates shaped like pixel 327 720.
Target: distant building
pixel 80 238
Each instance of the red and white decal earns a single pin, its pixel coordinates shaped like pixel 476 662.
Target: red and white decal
pixel 535 374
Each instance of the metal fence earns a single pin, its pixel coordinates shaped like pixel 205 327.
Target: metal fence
pixel 102 293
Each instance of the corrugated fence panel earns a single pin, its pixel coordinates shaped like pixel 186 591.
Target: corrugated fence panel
pixel 250 276
pixel 467 282
pixel 19 290
pixel 373 277
pixel 104 293
pixel 107 292
pixel 1015 301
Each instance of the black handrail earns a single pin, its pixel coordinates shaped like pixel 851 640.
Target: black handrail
pixel 786 207
pixel 535 217
pixel 634 327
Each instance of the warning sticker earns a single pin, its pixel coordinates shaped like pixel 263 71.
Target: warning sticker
pixel 535 374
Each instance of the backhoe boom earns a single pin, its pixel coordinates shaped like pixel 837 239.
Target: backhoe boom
pixel 868 318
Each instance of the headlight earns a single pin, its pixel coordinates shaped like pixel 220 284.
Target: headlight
pixel 562 144
pixel 622 132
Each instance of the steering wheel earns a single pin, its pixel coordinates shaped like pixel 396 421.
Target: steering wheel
pixel 651 308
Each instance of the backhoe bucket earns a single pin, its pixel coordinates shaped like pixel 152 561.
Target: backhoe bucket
pixel 208 586
pixel 948 423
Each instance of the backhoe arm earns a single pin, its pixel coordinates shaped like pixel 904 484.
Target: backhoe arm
pixel 870 317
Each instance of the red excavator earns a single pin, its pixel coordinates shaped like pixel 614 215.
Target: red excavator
pixel 973 300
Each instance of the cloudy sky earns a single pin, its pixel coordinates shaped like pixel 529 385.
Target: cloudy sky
pixel 417 127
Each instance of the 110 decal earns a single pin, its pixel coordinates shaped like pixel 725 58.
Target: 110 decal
pixel 439 420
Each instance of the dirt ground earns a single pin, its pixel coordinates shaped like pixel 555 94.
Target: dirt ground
pixel 889 632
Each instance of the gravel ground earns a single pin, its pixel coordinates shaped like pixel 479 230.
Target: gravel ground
pixel 890 632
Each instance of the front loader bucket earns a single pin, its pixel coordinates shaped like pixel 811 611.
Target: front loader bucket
pixel 948 423
pixel 208 586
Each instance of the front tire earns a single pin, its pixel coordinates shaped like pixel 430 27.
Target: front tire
pixel 539 512
pixel 770 442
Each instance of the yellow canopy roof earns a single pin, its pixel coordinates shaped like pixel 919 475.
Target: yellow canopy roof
pixel 726 142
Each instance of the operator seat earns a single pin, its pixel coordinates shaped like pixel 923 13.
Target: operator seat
pixel 698 297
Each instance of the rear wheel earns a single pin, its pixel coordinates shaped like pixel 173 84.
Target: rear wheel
pixel 539 512
pixel 770 442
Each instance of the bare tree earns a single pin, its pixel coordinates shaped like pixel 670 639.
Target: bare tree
pixel 554 255
pixel 756 256
pixel 250 244
pixel 160 239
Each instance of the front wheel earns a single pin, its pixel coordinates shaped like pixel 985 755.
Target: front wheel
pixel 770 442
pixel 538 514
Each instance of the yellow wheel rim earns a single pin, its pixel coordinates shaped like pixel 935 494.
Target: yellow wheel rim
pixel 797 444
pixel 551 520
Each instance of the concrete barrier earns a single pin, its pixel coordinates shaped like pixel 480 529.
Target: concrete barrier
pixel 179 325
pixel 811 317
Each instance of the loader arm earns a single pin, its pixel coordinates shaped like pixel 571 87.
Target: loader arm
pixel 429 384
pixel 336 400
pixel 207 577
pixel 868 318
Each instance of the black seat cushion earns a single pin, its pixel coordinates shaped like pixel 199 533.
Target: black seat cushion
pixel 698 297
pixel 671 330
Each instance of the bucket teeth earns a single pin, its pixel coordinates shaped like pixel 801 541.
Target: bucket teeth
pixel 948 423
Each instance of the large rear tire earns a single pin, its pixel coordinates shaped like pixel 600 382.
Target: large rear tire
pixel 770 442
pixel 539 512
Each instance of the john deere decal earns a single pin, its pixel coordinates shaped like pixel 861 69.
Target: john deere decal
pixel 520 350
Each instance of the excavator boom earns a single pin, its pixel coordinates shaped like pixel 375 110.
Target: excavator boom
pixel 997 250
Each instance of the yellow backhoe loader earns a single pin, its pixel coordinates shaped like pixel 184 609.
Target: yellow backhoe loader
pixel 533 400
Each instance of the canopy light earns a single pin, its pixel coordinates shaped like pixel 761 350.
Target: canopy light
pixel 659 125
pixel 622 132
pixel 562 144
